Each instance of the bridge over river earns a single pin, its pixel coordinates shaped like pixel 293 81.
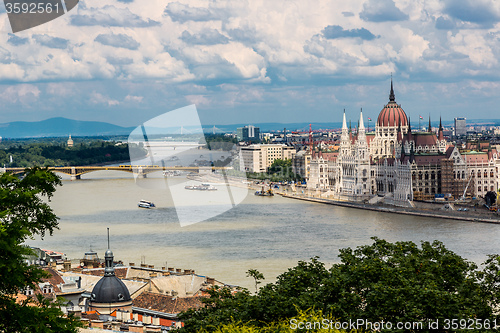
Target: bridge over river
pixel 140 170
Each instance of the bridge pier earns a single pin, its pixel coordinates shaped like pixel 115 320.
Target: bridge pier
pixel 74 176
pixel 140 173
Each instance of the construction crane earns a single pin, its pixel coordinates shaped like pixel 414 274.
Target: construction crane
pixel 466 187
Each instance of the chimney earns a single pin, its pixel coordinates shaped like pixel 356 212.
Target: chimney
pixel 67 265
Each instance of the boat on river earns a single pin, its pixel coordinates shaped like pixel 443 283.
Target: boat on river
pixel 145 204
pixel 263 193
pixel 202 187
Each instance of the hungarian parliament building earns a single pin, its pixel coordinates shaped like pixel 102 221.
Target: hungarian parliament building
pixel 399 164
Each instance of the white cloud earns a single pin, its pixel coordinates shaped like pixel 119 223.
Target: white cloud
pixel 97 98
pixel 475 47
pixel 210 50
pixel 23 93
pixel 198 100
pixel 134 99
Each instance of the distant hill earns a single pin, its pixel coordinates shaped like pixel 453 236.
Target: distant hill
pixel 60 127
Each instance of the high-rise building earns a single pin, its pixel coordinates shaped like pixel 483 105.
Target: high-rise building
pixel 248 133
pixel 460 127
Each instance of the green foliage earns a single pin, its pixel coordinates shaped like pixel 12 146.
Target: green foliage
pixel 279 171
pixel 29 154
pixel 310 320
pixel 219 309
pixel 256 275
pixel 24 213
pixel 220 142
pixel 390 282
pixel 400 282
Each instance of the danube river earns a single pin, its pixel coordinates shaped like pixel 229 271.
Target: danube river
pixel 269 234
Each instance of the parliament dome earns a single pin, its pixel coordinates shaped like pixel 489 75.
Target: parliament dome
pixel 392 114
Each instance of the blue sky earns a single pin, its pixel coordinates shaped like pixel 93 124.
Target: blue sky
pixel 126 61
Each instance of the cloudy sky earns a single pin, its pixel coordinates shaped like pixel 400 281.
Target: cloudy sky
pixel 126 61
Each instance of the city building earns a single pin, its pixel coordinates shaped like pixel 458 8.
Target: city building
pixel 70 141
pixel 259 157
pixel 248 133
pixel 460 126
pixel 301 163
pixel 401 165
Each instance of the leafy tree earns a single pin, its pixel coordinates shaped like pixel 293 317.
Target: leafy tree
pixel 29 154
pixel 309 320
pixel 257 277
pixel 220 308
pixel 23 214
pixel 390 282
pixel 401 282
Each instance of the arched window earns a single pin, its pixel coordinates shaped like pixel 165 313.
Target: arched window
pixel 69 306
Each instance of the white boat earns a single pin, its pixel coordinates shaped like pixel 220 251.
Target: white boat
pixel 202 187
pixel 145 204
pixel 171 173
pixel 209 187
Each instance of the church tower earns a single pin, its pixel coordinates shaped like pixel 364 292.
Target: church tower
pixel 362 182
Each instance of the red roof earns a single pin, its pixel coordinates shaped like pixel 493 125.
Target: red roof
pixel 54 279
pixel 449 151
pixel 476 157
pixel 167 304
pixel 424 139
pixel 120 272
pixel 429 159
pixel 330 156
pixel 369 138
pixel 391 115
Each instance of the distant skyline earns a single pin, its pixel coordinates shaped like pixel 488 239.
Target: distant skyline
pixel 127 61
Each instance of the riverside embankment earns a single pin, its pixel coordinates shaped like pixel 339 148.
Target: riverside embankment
pixel 471 215
pixel 422 209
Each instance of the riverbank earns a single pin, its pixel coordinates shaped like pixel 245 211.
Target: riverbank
pixel 421 209
pixel 470 216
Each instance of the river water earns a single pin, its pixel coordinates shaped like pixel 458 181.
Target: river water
pixel 269 234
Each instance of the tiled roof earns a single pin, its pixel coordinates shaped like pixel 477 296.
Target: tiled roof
pixel 91 315
pixel 120 272
pixel 449 151
pixel 433 159
pixel 476 157
pixel 54 279
pixel 424 139
pixel 166 304
pixel 369 138
pixel 330 156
